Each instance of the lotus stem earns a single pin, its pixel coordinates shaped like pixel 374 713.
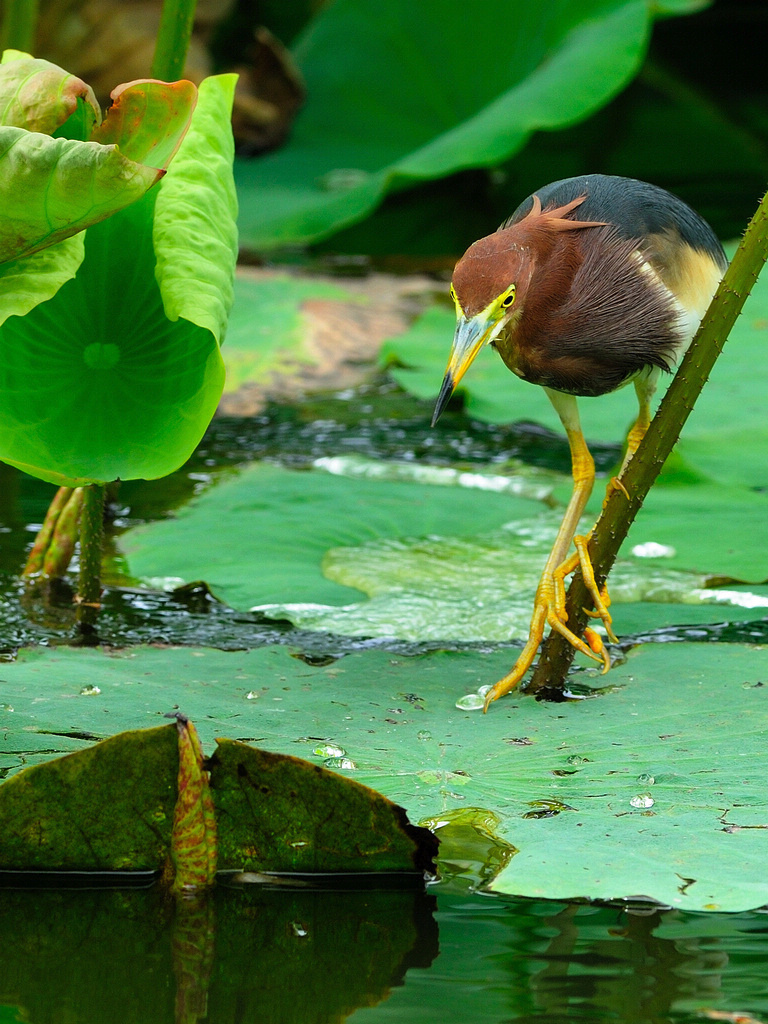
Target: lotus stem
pixel 45 534
pixel 173 38
pixel 19 24
pixel 91 541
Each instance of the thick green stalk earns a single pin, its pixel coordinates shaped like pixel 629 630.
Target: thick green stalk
pixel 19 24
pixel 91 542
pixel 173 37
pixel 620 509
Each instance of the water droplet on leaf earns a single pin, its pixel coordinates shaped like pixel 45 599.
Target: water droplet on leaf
pixel 344 763
pixel 329 750
pixel 470 702
pixel 643 800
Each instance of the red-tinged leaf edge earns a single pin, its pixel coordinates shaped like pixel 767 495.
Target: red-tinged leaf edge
pixel 193 841
pixel 148 120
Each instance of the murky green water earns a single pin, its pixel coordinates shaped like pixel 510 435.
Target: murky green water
pixel 297 956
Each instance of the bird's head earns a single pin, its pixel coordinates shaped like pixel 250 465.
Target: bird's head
pixel 491 282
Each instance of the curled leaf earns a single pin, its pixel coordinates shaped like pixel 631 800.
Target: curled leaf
pixel 148 120
pixel 39 96
pixel 53 188
pixel 193 844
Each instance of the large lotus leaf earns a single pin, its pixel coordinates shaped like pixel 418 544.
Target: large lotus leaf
pixel 39 96
pixel 132 344
pixel 439 562
pixel 147 120
pixel 195 235
pixel 97 383
pixel 26 283
pixel 53 188
pixel 653 789
pixel 408 93
pixel 273 527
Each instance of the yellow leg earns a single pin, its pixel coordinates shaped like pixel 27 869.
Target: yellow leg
pixel 644 388
pixel 549 603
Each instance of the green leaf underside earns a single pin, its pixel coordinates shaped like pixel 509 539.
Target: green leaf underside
pixel 53 188
pixel 41 97
pixel 672 718
pixel 26 283
pixel 195 234
pixel 438 562
pixel 354 141
pixel 91 379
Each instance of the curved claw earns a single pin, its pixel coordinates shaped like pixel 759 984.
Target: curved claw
pixel 599 597
pixel 615 484
pixel 549 609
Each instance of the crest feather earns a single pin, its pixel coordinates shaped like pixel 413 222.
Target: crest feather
pixel 555 218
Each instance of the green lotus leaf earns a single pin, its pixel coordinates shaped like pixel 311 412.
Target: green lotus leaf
pixel 97 383
pixel 195 232
pixel 39 96
pixel 413 93
pixel 53 188
pixel 655 788
pixel 26 283
pixel 148 120
pixel 118 374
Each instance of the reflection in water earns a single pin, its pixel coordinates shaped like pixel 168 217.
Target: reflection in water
pixel 276 956
pixel 291 955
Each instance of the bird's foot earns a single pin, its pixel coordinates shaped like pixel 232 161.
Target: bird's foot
pixel 549 609
pixel 600 598
pixel 615 484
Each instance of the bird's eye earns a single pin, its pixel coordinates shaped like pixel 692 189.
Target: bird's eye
pixel 453 294
pixel 509 298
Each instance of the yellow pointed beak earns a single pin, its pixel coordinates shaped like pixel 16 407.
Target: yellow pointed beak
pixel 471 334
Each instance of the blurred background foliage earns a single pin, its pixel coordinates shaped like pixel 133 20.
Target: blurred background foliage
pixel 405 131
